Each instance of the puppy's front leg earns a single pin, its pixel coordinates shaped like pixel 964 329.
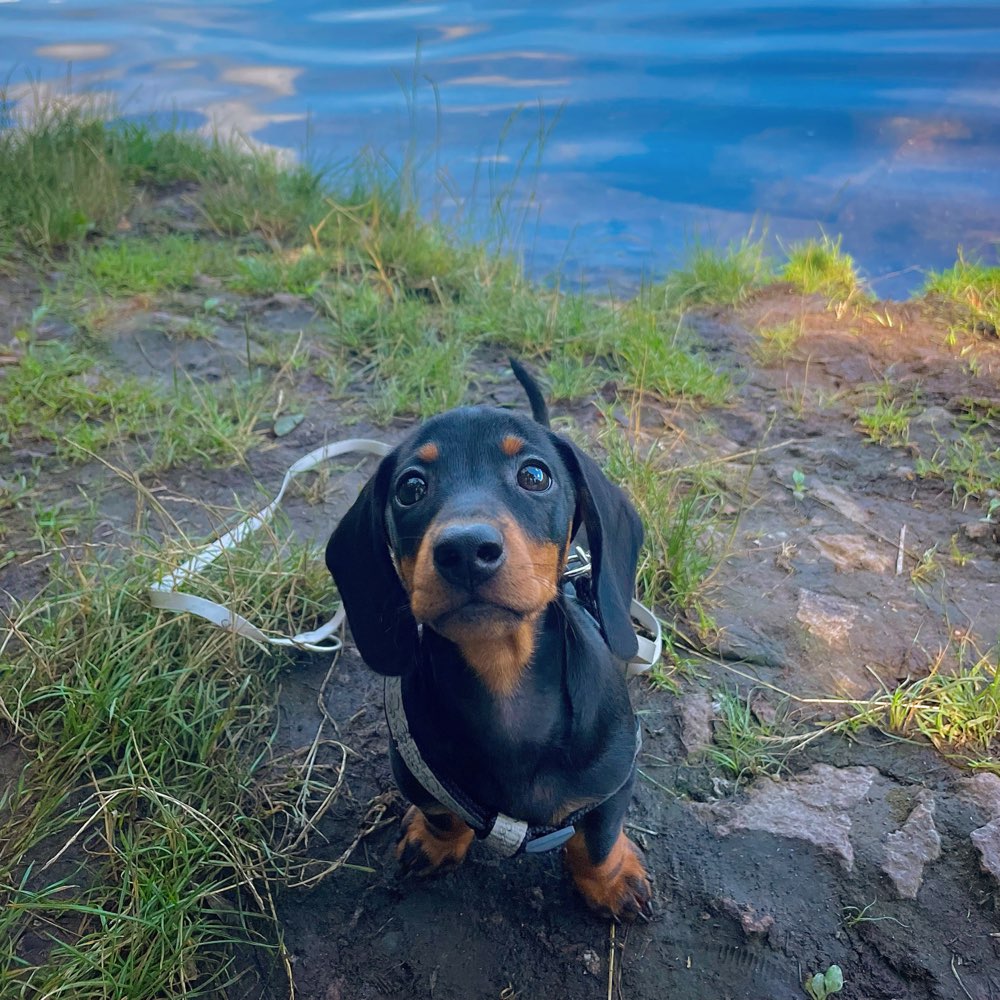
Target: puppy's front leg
pixel 606 866
pixel 432 840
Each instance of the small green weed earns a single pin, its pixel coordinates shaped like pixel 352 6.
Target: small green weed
pixel 798 484
pixel 777 343
pixel 854 915
pixel 887 421
pixel 825 984
pixel 821 266
pixel 743 745
pixel 928 567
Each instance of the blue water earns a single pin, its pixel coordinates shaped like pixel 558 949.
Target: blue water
pixel 664 122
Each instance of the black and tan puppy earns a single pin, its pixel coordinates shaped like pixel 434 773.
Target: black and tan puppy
pixel 513 691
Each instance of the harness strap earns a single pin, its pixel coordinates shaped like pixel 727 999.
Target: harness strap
pixel 503 834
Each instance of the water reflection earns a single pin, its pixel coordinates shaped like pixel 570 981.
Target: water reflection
pixel 878 119
pixel 75 52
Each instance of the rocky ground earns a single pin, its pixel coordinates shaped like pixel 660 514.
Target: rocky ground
pixel 860 849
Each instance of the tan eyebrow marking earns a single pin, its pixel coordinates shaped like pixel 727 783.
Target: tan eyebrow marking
pixel 429 452
pixel 511 445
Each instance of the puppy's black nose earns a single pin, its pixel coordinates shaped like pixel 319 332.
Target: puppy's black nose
pixel 467 555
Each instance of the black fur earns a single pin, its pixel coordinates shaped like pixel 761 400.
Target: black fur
pixel 566 732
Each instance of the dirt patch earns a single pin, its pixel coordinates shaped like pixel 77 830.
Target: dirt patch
pixel 871 853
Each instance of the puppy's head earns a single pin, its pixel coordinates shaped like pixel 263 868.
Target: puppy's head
pixel 478 519
pixel 465 528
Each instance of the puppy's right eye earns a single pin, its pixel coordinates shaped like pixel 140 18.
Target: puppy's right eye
pixel 411 488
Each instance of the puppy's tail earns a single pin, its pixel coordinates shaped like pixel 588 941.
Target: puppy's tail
pixel 539 410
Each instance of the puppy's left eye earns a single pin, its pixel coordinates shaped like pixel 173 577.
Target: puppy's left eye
pixel 534 477
pixel 411 489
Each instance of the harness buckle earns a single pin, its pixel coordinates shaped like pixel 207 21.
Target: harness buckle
pixel 506 835
pixel 578 563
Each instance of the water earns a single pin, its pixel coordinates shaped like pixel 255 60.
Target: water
pixel 667 122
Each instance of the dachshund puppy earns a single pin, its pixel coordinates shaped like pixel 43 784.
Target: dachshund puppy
pixel 508 681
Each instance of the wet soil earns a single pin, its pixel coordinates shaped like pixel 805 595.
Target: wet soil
pixel 867 852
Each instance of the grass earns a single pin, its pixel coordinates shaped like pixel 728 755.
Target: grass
pixel 65 174
pixel 678 508
pixel 958 712
pixel 777 343
pixel 743 745
pixel 656 354
pixel 821 267
pixel 63 398
pixel 148 266
pixel 972 286
pixel 714 277
pixel 970 459
pixel 136 853
pixel 887 420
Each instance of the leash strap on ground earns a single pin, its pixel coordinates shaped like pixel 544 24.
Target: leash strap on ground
pixel 166 595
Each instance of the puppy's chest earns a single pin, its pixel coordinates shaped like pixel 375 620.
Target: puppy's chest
pixel 496 749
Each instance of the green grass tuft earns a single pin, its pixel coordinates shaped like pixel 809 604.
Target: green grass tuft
pixel 677 510
pixel 974 287
pixel 776 343
pixel 887 420
pixel 742 745
pixel 67 400
pixel 821 266
pixel 656 354
pixel 714 277
pixel 59 178
pixel 958 712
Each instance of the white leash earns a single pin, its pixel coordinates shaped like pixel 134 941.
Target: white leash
pixel 166 595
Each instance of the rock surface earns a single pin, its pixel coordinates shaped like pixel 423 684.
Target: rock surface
pixel 910 848
pixel 812 807
pixel 983 791
pixel 696 716
pixel 828 618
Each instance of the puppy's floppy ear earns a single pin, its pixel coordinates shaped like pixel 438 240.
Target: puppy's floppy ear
pixel 357 556
pixel 614 533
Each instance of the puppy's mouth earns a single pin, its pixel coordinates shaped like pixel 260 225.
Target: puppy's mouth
pixel 476 610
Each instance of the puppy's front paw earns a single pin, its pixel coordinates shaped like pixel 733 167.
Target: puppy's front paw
pixel 428 845
pixel 618 886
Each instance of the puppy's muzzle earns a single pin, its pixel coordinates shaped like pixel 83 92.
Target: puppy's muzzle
pixel 467 555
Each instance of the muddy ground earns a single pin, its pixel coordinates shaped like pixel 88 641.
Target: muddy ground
pixel 869 852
